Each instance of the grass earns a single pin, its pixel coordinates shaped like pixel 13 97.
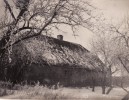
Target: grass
pixel 60 93
pixel 29 92
pixel 4 89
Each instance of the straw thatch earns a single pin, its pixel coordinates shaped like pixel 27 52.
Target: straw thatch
pixel 46 52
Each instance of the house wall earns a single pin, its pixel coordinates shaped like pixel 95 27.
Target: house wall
pixel 82 77
pixel 65 76
pixel 45 74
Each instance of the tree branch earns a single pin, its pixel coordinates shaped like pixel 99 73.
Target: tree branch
pixel 123 64
pixel 23 28
pixel 115 71
pixel 9 8
pixel 23 10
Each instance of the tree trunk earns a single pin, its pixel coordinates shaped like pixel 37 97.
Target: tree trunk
pixel 93 84
pixel 93 89
pixel 110 81
pixel 3 43
pixel 109 90
pixel 103 89
pixel 104 82
pixel 110 77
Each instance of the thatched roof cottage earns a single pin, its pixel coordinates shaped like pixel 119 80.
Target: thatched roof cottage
pixel 50 60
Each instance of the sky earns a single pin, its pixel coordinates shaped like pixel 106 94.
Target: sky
pixel 113 10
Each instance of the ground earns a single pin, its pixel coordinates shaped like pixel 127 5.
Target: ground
pixel 45 93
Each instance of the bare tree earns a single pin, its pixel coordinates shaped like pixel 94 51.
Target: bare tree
pixel 36 17
pixel 112 45
pixel 122 38
pixel 104 47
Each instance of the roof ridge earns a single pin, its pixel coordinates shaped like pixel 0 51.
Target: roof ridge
pixel 67 42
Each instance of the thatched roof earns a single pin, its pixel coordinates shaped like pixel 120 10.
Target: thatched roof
pixel 53 52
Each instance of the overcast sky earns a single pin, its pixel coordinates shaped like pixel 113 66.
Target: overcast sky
pixel 114 10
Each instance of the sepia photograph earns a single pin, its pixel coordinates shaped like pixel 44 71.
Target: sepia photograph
pixel 64 49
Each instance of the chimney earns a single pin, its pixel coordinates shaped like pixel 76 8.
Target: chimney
pixel 60 37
